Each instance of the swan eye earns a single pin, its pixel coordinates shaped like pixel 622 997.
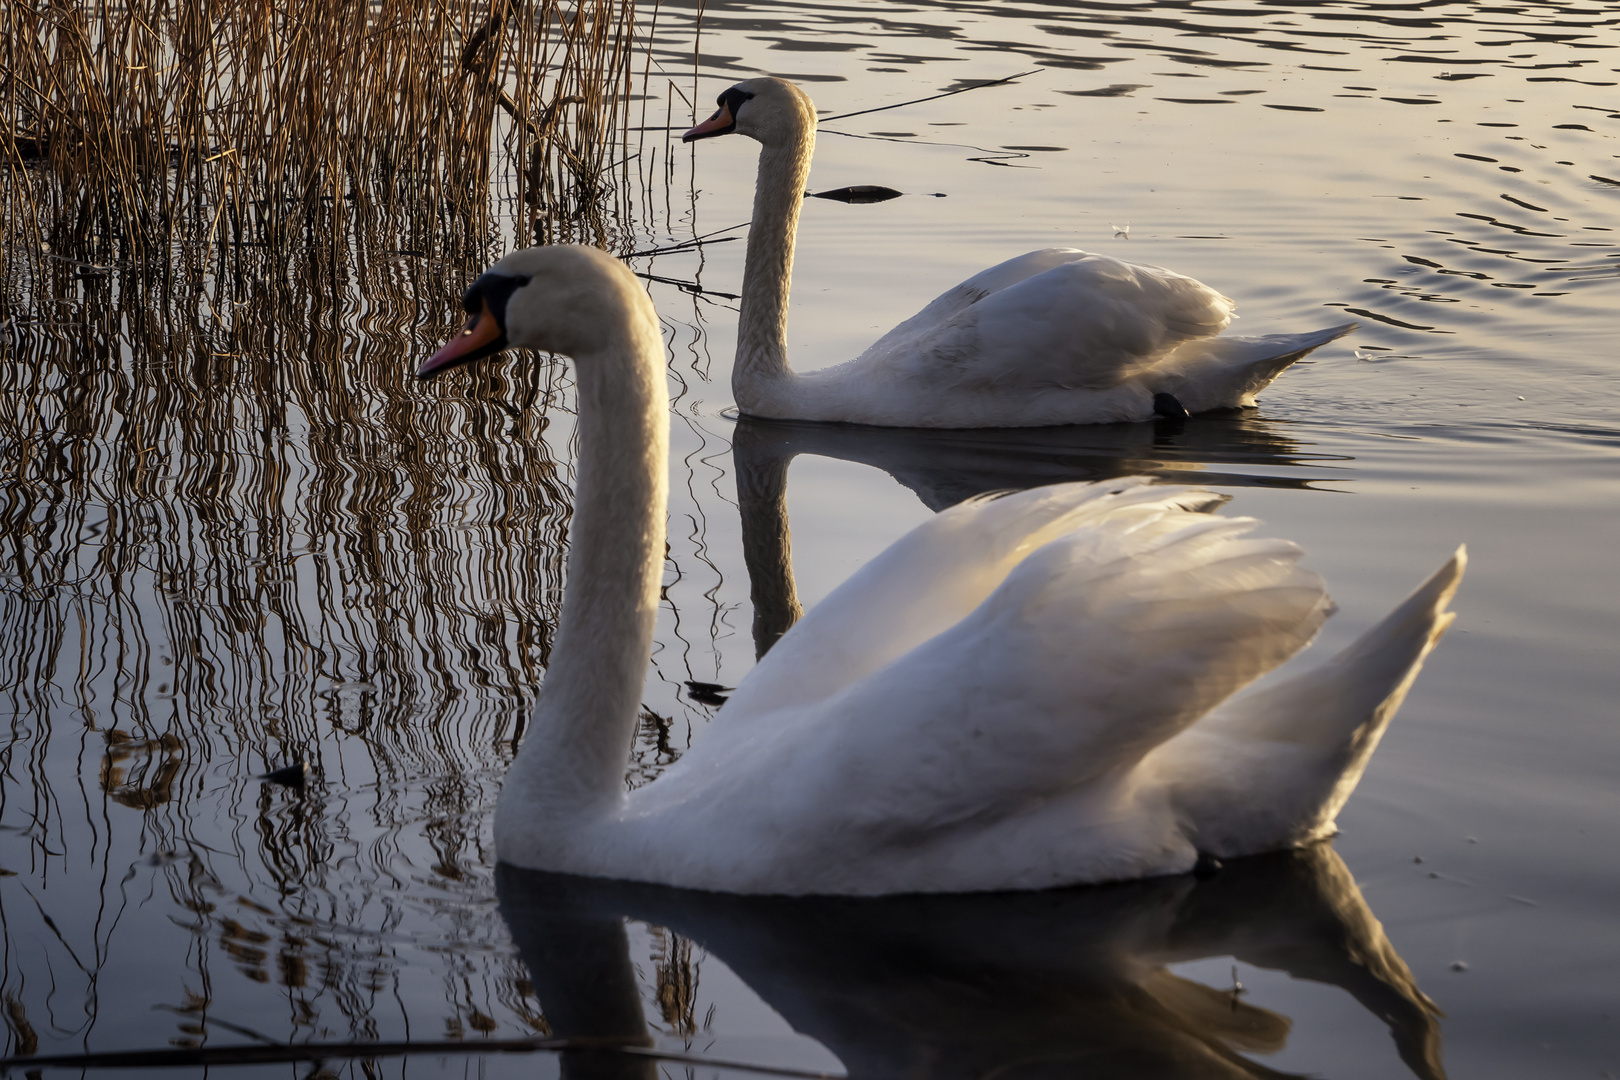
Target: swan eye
pixel 732 99
pixel 494 290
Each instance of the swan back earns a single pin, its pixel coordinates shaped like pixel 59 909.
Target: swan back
pixel 1026 307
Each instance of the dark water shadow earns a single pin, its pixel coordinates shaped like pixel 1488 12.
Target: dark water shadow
pixel 1060 983
pixel 944 467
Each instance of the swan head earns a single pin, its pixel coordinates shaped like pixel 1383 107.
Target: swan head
pixel 565 298
pixel 766 109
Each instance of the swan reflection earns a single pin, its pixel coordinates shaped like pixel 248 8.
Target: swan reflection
pixel 1067 982
pixel 943 467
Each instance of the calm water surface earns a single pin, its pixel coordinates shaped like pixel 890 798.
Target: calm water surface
pixel 204 582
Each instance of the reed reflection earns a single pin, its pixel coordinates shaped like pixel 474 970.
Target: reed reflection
pixel 1026 984
pixel 235 534
pixel 944 467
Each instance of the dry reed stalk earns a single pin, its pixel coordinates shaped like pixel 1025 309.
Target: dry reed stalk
pixel 129 128
pixel 232 231
pixel 234 529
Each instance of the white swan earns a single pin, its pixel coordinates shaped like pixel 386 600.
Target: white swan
pixel 1022 692
pixel 1052 337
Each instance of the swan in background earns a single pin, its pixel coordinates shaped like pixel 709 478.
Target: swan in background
pixel 1022 692
pixel 1058 336
pixel 1076 982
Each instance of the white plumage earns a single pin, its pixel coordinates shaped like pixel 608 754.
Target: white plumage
pixel 1059 336
pixel 1024 691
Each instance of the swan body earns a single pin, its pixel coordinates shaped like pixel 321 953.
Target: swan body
pixel 1059 336
pixel 1025 691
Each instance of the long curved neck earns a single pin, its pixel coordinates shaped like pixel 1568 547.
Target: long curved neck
pixel 574 756
pixel 784 166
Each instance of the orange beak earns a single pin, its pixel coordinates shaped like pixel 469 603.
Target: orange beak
pixel 721 123
pixel 481 337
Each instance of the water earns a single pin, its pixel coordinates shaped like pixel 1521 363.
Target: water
pixel 206 577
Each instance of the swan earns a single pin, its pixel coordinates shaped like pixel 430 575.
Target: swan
pixel 1025 691
pixel 1058 336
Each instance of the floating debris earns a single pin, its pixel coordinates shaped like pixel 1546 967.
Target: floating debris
pixel 708 693
pixel 859 193
pixel 293 776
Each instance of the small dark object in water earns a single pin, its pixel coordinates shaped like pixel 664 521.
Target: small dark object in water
pixel 1207 865
pixel 292 776
pixel 1166 405
pixel 860 193
pixel 707 693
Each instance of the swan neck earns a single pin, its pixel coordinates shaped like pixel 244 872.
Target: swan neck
pixel 784 166
pixel 574 756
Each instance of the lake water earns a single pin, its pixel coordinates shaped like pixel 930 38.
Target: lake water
pixel 204 580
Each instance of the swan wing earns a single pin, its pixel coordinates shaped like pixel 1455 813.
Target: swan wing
pixel 924 583
pixel 1057 319
pixel 1272 769
pixel 1098 647
pixel 1095 648
pixel 976 288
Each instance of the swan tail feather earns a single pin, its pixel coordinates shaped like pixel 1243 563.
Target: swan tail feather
pixel 1230 371
pixel 1275 767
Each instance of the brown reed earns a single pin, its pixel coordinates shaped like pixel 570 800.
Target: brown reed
pixel 235 531
pixel 149 123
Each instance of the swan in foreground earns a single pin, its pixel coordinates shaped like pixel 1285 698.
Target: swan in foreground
pixel 1022 692
pixel 1058 336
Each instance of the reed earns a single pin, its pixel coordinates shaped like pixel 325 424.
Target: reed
pixel 131 127
pixel 235 531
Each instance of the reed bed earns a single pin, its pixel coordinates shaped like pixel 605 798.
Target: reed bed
pixel 234 231
pixel 138 126
pixel 234 530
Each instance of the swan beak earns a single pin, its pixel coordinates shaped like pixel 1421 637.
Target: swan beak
pixel 481 337
pixel 721 123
